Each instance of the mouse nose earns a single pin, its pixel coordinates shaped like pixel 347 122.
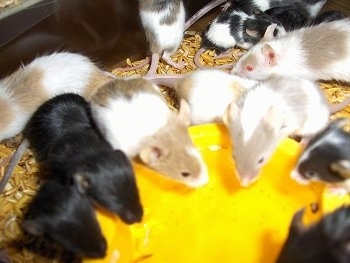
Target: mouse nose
pixel 185 174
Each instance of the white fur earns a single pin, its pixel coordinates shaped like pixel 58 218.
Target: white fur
pixel 117 121
pixel 219 34
pixel 167 36
pixel 211 93
pixel 64 72
pixel 291 59
pixel 263 4
pixel 203 177
pixel 256 105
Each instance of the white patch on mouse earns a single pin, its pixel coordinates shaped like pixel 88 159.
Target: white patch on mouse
pixel 220 32
pixel 209 92
pixel 140 108
pixel 203 177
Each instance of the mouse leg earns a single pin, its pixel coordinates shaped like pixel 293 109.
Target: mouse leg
pixel 166 57
pixel 154 64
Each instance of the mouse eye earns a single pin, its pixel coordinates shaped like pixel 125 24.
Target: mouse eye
pixel 310 174
pixel 185 174
pixel 249 68
pixel 261 160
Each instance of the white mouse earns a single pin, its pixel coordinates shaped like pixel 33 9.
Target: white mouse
pixel 269 112
pixel 134 116
pixel 316 52
pixel 209 92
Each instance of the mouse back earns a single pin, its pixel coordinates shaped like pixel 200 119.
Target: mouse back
pixel 163 22
pixel 61 213
pixel 323 242
pixel 143 125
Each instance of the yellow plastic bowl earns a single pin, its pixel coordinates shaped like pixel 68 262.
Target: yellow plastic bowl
pixel 221 221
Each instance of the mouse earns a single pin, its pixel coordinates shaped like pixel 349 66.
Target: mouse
pixel 208 93
pixel 164 26
pixel 324 241
pixel 61 213
pixel 75 148
pixel 269 112
pixel 308 52
pixel 23 91
pixel 233 28
pixel 326 157
pixel 134 116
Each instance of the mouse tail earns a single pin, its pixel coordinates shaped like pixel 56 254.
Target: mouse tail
pixel 14 161
pixel 200 13
pixel 339 106
pixel 167 80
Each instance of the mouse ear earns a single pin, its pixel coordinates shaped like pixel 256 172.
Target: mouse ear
pixel 342 168
pixel 184 112
pixel 269 33
pixel 150 155
pixel 276 117
pixel 33 227
pixel 230 113
pixel 269 54
pixel 82 182
pixel 252 33
pixel 297 227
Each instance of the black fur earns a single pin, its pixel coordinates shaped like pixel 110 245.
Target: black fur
pixel 67 143
pixel 63 214
pixel 238 25
pixel 323 150
pixel 327 241
pixel 290 17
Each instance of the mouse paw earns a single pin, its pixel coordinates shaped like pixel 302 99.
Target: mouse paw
pixel 169 61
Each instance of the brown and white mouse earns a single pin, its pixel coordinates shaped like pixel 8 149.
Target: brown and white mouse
pixel 269 112
pixel 134 116
pixel 22 92
pixel 309 52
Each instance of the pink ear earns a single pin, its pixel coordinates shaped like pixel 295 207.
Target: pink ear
pixel 269 54
pixel 269 32
pixel 150 155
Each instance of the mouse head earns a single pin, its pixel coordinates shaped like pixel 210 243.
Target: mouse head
pixel 258 62
pixel 257 28
pixel 64 215
pixel 108 178
pixel 171 152
pixel 254 134
pixel 326 156
pixel 324 242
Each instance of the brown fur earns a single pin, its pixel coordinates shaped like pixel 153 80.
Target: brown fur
pixel 122 88
pixel 183 87
pixel 26 83
pixel 7 114
pixel 96 80
pixel 330 42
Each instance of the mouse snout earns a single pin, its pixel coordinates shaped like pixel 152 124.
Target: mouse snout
pixel 247 180
pixel 131 217
pixel 299 177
